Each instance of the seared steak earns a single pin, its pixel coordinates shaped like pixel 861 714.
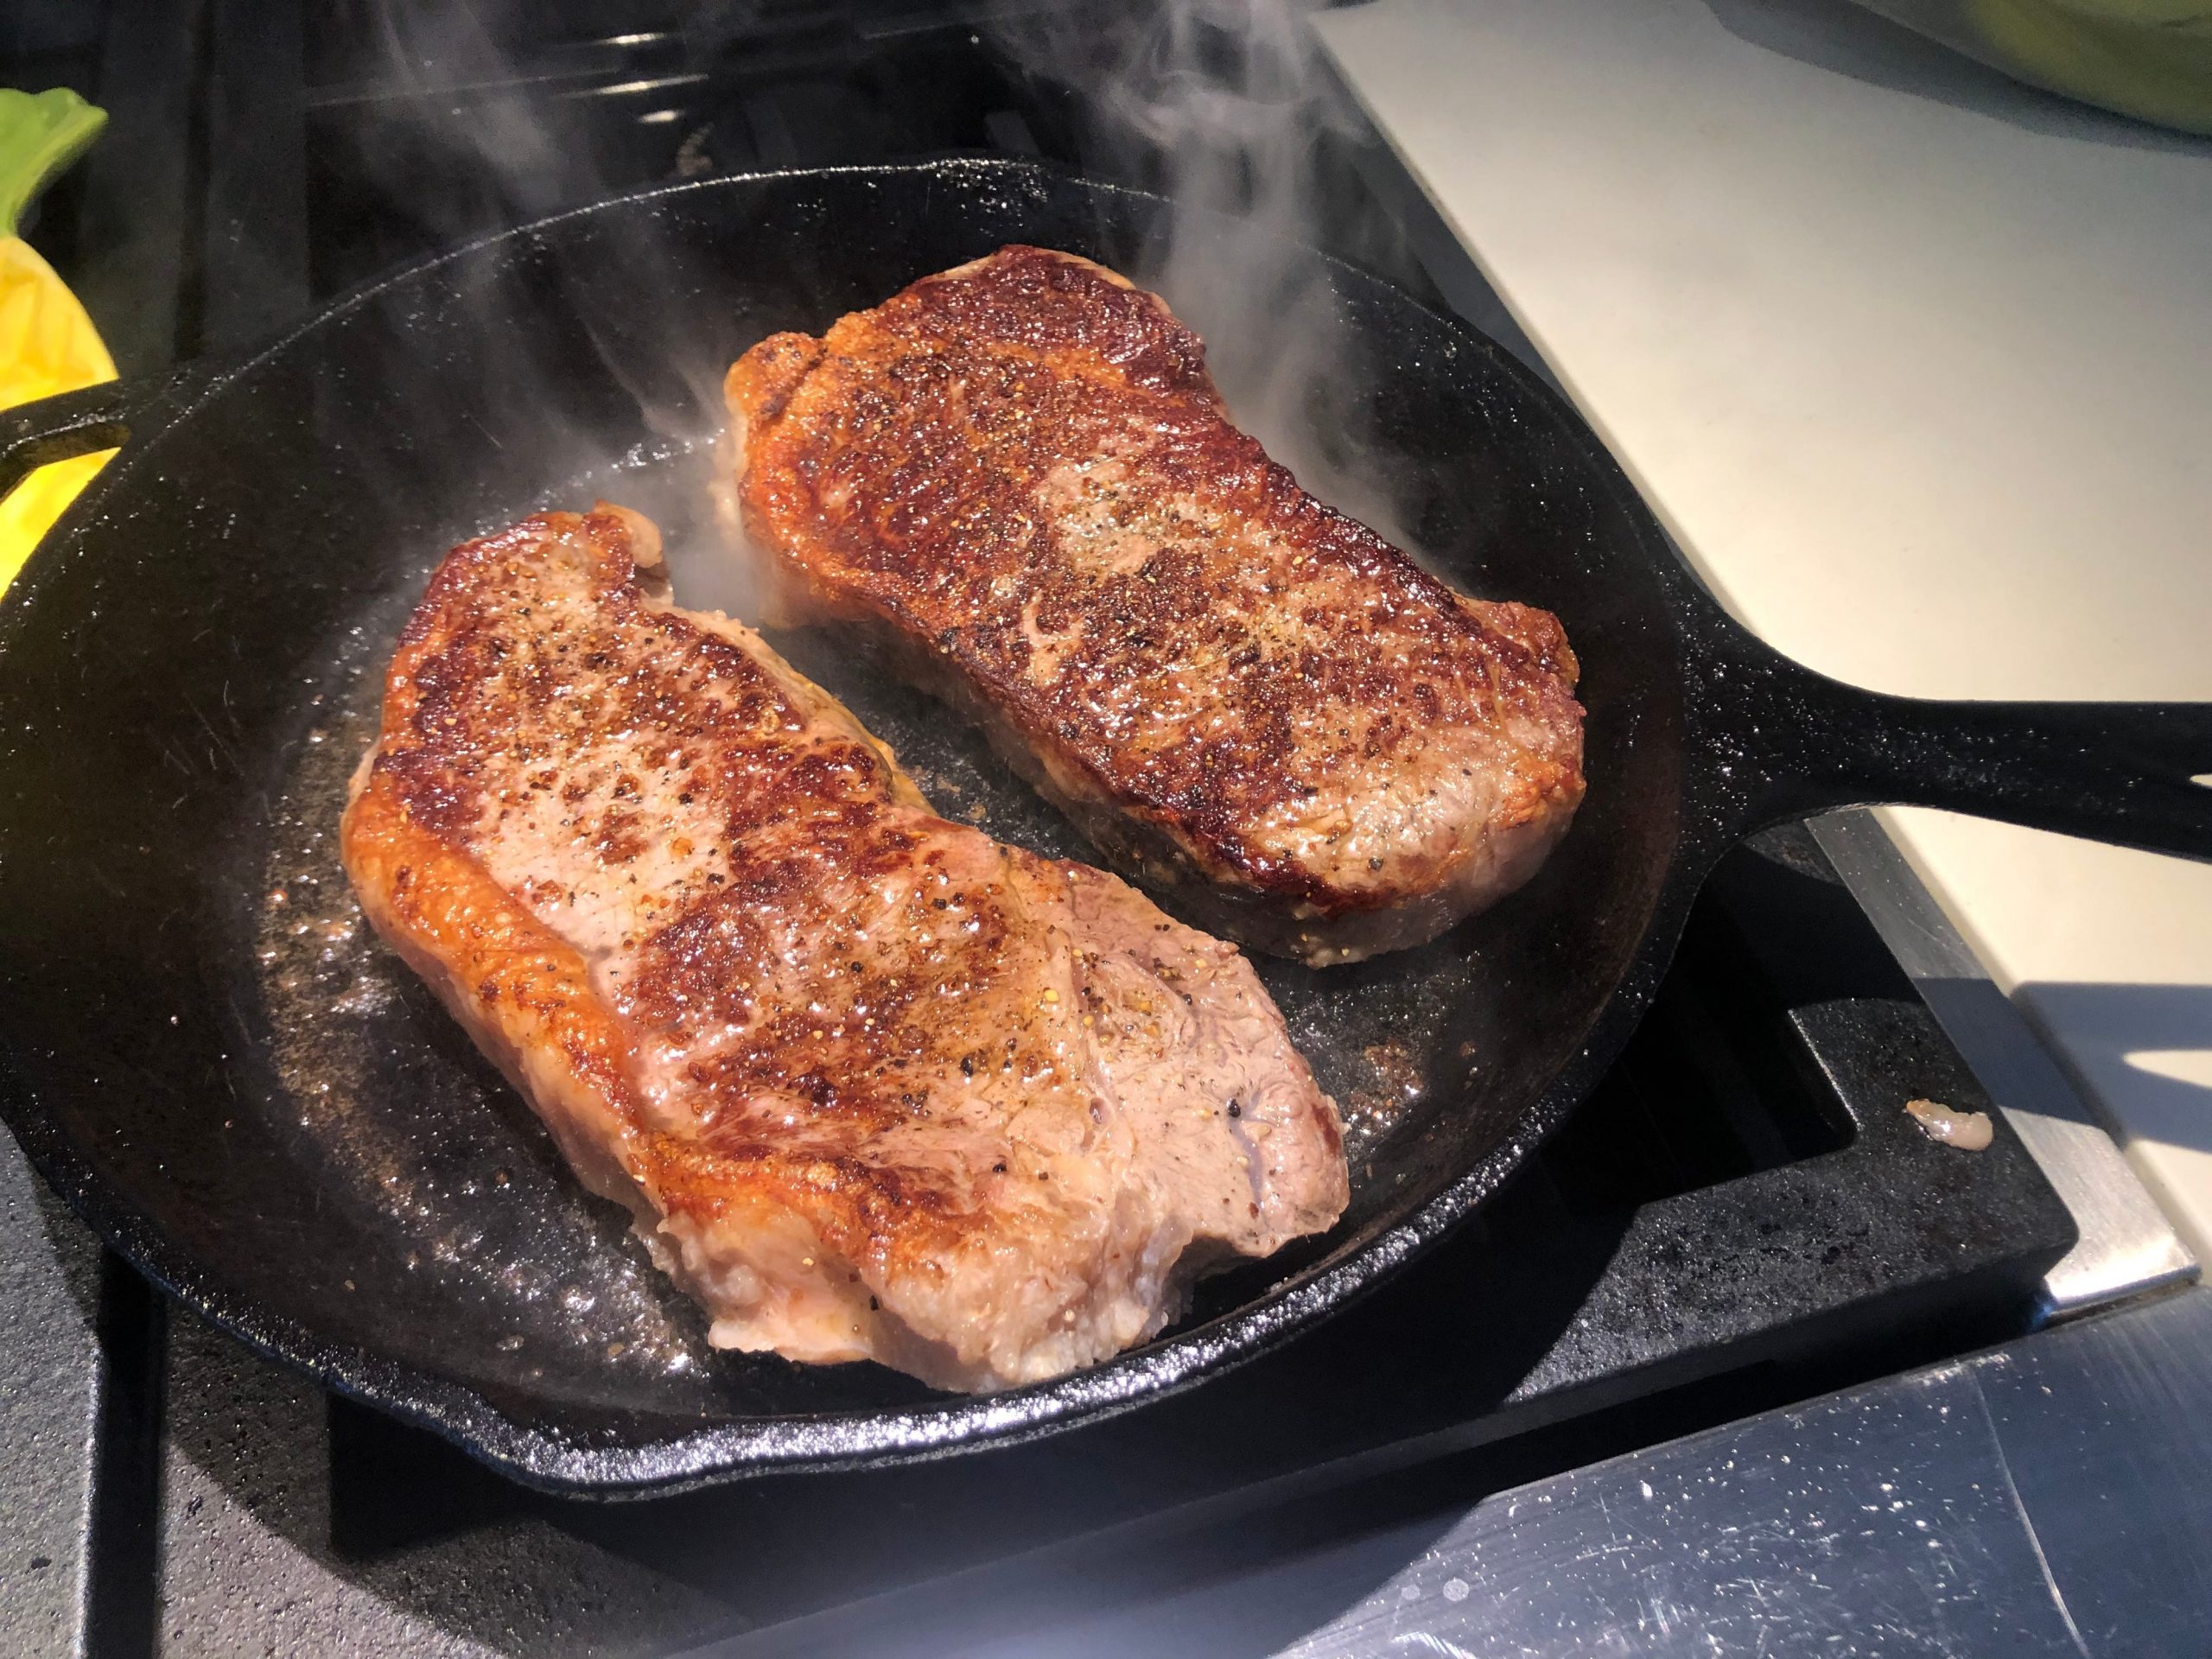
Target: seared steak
pixel 873 1085
pixel 1019 476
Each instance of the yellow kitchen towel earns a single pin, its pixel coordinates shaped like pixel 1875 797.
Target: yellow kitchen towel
pixel 47 345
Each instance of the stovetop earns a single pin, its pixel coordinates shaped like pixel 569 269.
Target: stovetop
pixel 1741 1215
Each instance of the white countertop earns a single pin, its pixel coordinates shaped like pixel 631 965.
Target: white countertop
pixel 1916 365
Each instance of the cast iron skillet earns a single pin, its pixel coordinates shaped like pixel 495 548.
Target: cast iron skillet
pixel 203 1052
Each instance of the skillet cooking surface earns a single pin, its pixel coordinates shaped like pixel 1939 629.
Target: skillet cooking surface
pixel 209 1053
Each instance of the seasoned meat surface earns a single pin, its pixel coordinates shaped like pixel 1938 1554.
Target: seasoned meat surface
pixel 1018 477
pixel 873 1085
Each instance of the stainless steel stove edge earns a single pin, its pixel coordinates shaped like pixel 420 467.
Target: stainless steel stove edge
pixel 2127 1246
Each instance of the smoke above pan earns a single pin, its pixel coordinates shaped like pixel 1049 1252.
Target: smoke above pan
pixel 457 121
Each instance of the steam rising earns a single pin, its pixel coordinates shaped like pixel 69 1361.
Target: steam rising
pixel 457 103
pixel 1227 107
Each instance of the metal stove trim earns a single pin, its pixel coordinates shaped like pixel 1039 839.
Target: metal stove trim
pixel 2127 1246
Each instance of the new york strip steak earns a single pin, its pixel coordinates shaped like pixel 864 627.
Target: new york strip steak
pixel 872 1084
pixel 1019 478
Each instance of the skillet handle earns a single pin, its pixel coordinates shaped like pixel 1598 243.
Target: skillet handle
pixel 2121 773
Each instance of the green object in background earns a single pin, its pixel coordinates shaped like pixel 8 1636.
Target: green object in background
pixel 39 134
pixel 2151 59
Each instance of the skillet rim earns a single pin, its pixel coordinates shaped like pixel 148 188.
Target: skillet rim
pixel 542 1455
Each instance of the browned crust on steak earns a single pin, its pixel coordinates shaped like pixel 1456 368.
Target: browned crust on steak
pixel 1018 475
pixel 872 1084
